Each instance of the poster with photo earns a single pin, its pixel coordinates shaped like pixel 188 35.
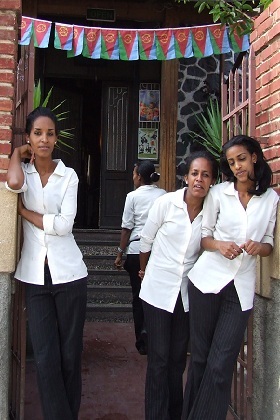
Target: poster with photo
pixel 148 143
pixel 149 102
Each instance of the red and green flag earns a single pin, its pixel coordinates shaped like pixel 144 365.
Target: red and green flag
pixel 128 44
pixel 147 45
pixel 78 41
pixel 109 44
pixel 42 30
pixel 239 43
pixel 219 39
pixel 63 36
pixel 183 42
pixel 26 30
pixel 92 42
pixel 201 42
pixel 165 48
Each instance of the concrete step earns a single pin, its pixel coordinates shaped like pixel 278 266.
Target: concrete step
pixel 99 278
pixel 109 294
pixel 109 312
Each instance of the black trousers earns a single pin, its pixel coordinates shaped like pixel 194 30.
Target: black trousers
pixel 56 316
pixel 168 336
pixel 217 327
pixel 132 266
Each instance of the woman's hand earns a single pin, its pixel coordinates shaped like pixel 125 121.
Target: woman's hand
pixel 252 247
pixel 118 262
pixel 141 274
pixel 26 152
pixel 229 250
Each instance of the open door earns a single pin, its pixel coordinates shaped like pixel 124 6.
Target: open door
pixel 117 152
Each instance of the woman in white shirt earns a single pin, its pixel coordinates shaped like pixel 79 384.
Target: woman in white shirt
pixel 135 213
pixel 238 224
pixel 169 246
pixel 51 265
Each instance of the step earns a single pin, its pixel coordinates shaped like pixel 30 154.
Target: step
pixel 96 250
pixel 109 295
pixel 97 235
pixel 109 312
pixel 99 278
pixel 103 264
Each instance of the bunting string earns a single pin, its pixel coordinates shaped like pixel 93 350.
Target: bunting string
pixel 133 44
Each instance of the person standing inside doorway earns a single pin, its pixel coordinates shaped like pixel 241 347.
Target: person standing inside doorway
pixel 135 213
pixel 169 246
pixel 238 225
pixel 51 265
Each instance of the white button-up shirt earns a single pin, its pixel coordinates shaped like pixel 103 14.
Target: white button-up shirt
pixel 135 213
pixel 57 201
pixel 225 219
pixel 174 243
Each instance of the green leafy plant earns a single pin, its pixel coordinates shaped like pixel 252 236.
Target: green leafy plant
pixel 210 124
pixel 237 14
pixel 65 135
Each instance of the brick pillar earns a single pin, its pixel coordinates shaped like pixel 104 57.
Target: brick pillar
pixel 266 361
pixel 9 17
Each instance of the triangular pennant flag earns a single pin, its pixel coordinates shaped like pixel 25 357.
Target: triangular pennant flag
pixel 165 44
pixel 26 30
pixel 219 39
pixel 183 42
pixel 239 43
pixel 78 41
pixel 63 36
pixel 92 42
pixel 42 30
pixel 201 42
pixel 109 44
pixel 147 46
pixel 128 44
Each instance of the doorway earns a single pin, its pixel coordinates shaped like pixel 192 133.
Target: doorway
pixel 102 101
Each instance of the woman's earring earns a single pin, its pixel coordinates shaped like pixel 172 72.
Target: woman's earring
pixel 28 141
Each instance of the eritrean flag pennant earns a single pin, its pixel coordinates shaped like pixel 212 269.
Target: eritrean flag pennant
pixel 202 46
pixel 26 29
pixel 92 42
pixel 183 42
pixel 63 36
pixel 147 45
pixel 78 41
pixel 219 39
pixel 165 44
pixel 128 44
pixel 109 44
pixel 42 30
pixel 239 43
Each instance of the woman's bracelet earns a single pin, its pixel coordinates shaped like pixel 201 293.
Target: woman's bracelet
pixel 120 250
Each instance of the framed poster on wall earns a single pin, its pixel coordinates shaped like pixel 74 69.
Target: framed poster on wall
pixel 149 102
pixel 148 143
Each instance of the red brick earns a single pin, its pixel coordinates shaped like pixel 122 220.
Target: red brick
pixel 264 26
pixel 275 5
pixel 7 63
pixel 261 118
pixel 8 35
pixel 7 91
pixel 7 77
pixel 6 105
pixel 4 163
pixel 5 148
pixel 272 153
pixel 6 119
pixel 6 134
pixel 262 17
pixel 8 19
pixel 273 32
pixel 8 48
pixel 10 4
pixel 275 165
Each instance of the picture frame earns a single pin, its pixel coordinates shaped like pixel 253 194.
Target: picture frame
pixel 148 143
pixel 149 105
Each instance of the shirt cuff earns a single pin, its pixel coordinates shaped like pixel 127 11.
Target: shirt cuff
pixel 48 222
pixel 22 189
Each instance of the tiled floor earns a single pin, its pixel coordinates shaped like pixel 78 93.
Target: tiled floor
pixel 113 376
